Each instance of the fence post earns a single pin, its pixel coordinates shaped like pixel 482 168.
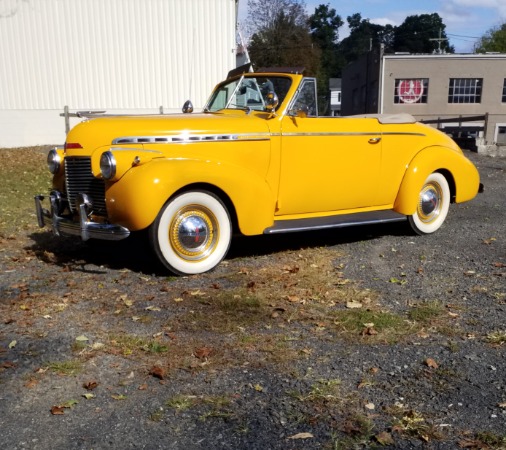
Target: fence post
pixel 67 118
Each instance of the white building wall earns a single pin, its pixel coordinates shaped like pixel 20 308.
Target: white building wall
pixel 123 56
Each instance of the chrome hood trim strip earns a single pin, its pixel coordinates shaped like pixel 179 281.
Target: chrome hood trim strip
pixel 185 138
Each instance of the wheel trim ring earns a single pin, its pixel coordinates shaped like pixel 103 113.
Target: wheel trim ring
pixel 209 237
pixel 430 197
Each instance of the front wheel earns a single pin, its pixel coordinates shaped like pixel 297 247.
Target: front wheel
pixel 433 204
pixel 192 233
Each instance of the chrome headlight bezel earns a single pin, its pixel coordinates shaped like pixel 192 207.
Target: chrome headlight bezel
pixel 107 165
pixel 54 161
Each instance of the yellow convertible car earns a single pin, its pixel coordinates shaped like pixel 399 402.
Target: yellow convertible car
pixel 256 160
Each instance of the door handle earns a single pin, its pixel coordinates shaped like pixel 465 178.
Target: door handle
pixel 374 140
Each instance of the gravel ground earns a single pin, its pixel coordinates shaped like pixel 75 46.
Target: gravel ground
pixel 73 375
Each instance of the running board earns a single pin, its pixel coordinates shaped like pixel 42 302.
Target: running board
pixel 339 221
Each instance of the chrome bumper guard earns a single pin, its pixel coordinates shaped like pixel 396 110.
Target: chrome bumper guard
pixel 85 228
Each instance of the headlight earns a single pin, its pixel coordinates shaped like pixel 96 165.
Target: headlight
pixel 107 165
pixel 53 161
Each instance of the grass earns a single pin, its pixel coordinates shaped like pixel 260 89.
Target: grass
pixel 69 368
pixel 24 174
pixel 129 344
pixel 426 312
pixel 372 325
pixel 496 337
pixel 213 406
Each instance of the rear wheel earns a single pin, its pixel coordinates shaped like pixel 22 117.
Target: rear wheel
pixel 433 204
pixel 192 233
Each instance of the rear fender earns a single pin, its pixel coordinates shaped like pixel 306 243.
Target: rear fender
pixel 436 159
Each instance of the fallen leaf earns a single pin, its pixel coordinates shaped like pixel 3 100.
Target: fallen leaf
pixel 202 352
pixel 258 388
pixel 157 372
pixel 385 438
pixel 88 396
pixel 57 410
pixel 153 308
pixel 431 363
pixel 119 397
pixel 301 436
pixel 370 406
pixel 142 387
pixel 369 331
pixel 499 265
pixel 69 404
pixel 13 344
pixel 82 338
pixel 489 241
pixel 353 305
pixel 90 385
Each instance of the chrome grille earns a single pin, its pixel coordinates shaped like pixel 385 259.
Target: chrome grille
pixel 79 179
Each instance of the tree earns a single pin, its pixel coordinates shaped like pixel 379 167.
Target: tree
pixel 364 35
pixel 282 36
pixel 263 13
pixel 423 33
pixel 494 40
pixel 324 24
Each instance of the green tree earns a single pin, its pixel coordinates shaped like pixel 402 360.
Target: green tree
pixel 364 36
pixel 494 40
pixel 423 33
pixel 284 43
pixel 324 24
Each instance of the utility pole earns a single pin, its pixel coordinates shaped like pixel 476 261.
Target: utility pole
pixel 439 40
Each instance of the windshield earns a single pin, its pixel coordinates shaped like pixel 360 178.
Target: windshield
pixel 248 93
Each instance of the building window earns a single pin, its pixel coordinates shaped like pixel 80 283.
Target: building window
pixel 465 90
pixel 501 135
pixel 504 91
pixel 411 90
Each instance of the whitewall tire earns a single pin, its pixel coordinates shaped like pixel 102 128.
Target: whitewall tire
pixel 432 205
pixel 192 233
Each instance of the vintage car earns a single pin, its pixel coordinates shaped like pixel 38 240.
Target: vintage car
pixel 257 160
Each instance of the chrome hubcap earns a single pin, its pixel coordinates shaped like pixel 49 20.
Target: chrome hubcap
pixel 193 233
pixel 429 205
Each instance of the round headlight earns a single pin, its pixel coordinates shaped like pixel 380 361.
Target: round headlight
pixel 107 165
pixel 53 161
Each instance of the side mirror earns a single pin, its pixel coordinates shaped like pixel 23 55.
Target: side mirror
pixel 271 101
pixel 188 107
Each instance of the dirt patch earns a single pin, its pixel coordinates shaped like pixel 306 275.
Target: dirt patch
pixel 345 339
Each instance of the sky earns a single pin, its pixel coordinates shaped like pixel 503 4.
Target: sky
pixel 466 20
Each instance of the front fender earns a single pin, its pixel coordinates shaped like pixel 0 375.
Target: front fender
pixel 436 159
pixel 136 199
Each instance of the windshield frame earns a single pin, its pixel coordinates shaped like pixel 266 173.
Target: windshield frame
pixel 248 85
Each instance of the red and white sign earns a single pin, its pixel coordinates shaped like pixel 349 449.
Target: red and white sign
pixel 410 91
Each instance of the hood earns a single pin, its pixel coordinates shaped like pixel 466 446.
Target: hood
pixel 160 129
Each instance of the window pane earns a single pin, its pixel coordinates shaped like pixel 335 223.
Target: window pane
pixel 410 91
pixel 465 90
pixel 504 91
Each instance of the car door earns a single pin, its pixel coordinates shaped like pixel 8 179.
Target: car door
pixel 327 163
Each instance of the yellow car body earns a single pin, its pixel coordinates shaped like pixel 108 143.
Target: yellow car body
pixel 263 158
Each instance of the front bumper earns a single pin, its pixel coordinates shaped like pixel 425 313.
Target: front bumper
pixel 85 227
